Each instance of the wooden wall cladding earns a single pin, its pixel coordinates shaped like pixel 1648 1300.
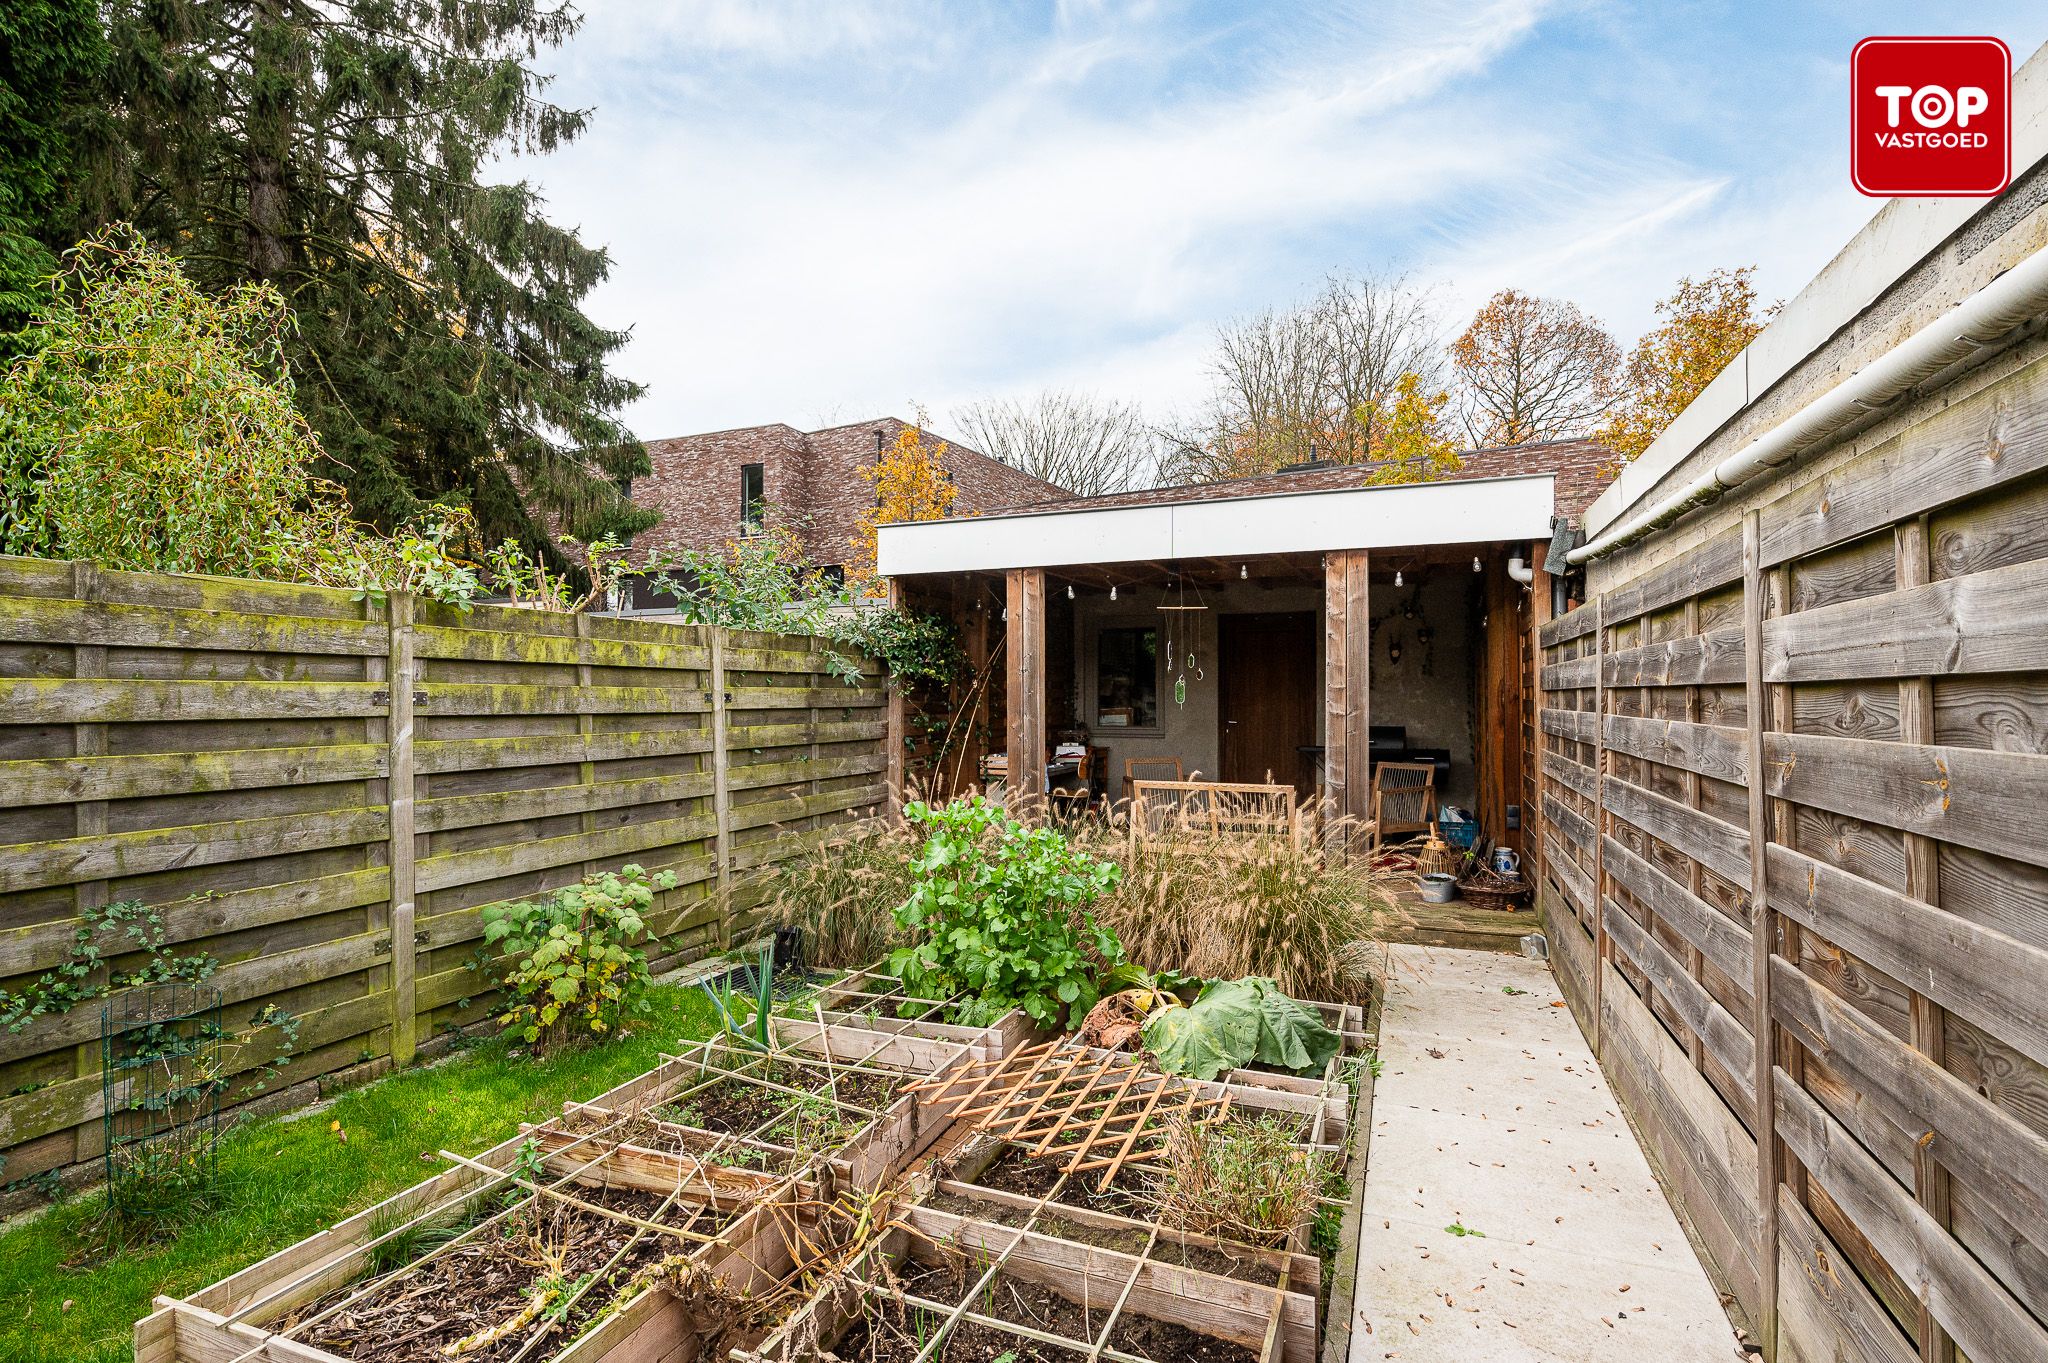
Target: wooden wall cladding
pixel 319 792
pixel 1792 786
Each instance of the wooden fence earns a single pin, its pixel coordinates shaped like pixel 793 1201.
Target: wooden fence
pixel 1794 874
pixel 300 779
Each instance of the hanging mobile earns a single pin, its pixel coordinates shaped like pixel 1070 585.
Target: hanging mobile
pixel 1175 599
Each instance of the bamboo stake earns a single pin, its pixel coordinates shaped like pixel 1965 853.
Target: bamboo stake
pixel 376 1283
pixel 577 1202
pixel 251 1308
pixel 1116 1160
pixel 1137 1270
pixel 1101 1068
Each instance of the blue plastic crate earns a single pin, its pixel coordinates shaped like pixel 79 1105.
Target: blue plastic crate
pixel 1459 835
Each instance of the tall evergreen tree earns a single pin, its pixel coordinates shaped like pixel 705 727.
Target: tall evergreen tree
pixel 50 52
pixel 338 149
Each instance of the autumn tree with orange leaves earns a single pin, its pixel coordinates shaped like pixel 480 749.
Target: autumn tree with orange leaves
pixel 1531 368
pixel 1706 324
pixel 911 484
pixel 1409 437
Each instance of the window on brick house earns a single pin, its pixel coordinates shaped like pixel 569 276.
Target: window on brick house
pixel 753 498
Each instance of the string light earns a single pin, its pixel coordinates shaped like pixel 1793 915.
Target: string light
pixel 1397 577
pixel 1243 573
pixel 1112 591
pixel 1070 591
pixel 1475 565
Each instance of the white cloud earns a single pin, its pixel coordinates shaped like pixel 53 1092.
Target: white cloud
pixel 835 207
pixel 1023 233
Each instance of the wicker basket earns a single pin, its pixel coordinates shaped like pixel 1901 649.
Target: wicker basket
pixel 1494 892
pixel 1444 858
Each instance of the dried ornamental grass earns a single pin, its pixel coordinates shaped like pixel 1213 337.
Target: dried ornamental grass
pixel 844 891
pixel 1244 1180
pixel 1228 906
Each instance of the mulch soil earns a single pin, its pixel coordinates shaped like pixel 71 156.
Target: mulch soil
pixel 891 1334
pixel 491 1278
pixel 1014 1171
pixel 736 1106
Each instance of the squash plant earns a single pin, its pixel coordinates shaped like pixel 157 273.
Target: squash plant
pixel 573 961
pixel 1000 911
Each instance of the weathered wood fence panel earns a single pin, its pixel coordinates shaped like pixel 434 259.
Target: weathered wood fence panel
pixel 318 792
pixel 1792 783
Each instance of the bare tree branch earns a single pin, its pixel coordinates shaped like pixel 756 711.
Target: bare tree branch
pixel 1079 441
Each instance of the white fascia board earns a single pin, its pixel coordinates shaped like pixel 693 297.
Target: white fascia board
pixel 1898 237
pixel 1407 516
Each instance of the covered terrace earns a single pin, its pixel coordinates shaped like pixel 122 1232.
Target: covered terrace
pixel 1295 629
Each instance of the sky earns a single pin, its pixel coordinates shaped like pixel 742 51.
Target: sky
pixel 821 211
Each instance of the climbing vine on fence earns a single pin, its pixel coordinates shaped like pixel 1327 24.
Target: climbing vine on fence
pixel 79 978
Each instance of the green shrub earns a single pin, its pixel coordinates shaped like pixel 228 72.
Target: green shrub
pixel 153 426
pixel 1001 912
pixel 575 966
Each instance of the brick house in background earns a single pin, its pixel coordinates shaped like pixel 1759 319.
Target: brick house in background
pixel 716 487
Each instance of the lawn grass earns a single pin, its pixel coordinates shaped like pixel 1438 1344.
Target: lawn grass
pixel 282 1180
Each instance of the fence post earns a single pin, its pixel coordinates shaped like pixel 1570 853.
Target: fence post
pixel 1761 945
pixel 1603 949
pixel 721 786
pixel 90 820
pixel 399 677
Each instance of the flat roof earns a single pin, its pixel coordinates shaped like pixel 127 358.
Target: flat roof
pixel 1404 515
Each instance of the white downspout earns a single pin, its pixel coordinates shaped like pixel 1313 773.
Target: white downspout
pixel 1521 570
pixel 2017 296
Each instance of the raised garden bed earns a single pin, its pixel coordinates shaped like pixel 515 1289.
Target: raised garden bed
pixel 843 1193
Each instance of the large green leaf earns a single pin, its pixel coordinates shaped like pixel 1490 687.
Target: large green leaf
pixel 1236 1023
pixel 1202 1043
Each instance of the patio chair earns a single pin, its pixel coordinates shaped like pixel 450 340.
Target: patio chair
pixel 1152 769
pixel 1403 801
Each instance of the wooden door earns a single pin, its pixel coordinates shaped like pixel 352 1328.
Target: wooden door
pixel 1267 690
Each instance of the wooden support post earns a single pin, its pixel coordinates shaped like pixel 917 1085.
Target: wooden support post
pixel 1533 854
pixel 1761 938
pixel 1778 717
pixel 1926 1024
pixel 1347 685
pixel 721 784
pixel 399 678
pixel 1026 643
pixel 89 821
pixel 1499 755
pixel 1695 877
pixel 896 733
pixel 1603 949
pixel 586 724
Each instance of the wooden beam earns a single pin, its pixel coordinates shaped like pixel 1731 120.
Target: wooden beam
pixel 1347 685
pixel 1498 757
pixel 403 851
pixel 1025 632
pixel 1761 938
pixel 1912 568
pixel 898 721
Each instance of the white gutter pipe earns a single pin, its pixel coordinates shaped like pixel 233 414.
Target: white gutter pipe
pixel 2015 297
pixel 1521 570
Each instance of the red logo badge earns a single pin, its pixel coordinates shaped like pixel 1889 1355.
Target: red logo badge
pixel 1930 117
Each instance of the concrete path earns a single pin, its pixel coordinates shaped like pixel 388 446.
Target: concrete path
pixel 1490 1116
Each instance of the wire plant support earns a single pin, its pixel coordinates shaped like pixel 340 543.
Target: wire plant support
pixel 161 1080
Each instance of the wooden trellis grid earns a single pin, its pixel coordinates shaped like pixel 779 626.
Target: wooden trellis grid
pixel 1089 1108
